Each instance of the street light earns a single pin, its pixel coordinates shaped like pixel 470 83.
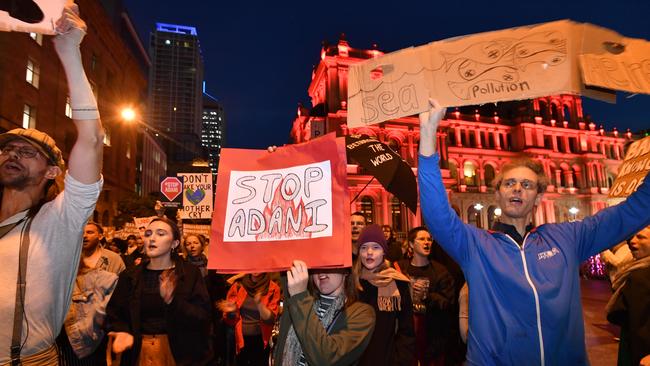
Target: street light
pixel 128 114
pixel 574 211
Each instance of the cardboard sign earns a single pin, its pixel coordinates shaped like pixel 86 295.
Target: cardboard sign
pixel 197 195
pixel 272 208
pixel 622 64
pixel 633 171
pixel 37 16
pixel 511 64
pixel 196 229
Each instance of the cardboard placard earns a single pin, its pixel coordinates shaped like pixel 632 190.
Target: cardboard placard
pixel 272 208
pixel 511 64
pixel 197 195
pixel 37 16
pixel 622 64
pixel 633 171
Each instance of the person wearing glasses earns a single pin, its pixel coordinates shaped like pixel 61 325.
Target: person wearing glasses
pixel 525 303
pixel 41 230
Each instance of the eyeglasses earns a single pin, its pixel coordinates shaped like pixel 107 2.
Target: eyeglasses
pixel 526 184
pixel 22 151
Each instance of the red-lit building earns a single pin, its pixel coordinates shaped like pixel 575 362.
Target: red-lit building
pixel 580 158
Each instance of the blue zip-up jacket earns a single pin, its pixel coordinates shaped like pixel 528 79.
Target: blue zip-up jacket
pixel 524 303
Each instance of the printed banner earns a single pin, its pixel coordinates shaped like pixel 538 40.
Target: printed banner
pixel 272 208
pixel 197 195
pixel 633 171
pixel 37 16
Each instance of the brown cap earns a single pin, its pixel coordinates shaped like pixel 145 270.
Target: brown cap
pixel 40 140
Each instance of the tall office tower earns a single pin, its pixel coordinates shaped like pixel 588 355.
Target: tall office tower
pixel 214 129
pixel 175 93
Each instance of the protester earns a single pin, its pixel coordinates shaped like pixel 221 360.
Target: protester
pixel 525 300
pixel 357 223
pixel 629 307
pixel 387 292
pixel 251 307
pixel 82 341
pixel 323 323
pixel 193 247
pixel 616 258
pixel 394 247
pixel 46 229
pixel 159 313
pixel 134 251
pixel 432 293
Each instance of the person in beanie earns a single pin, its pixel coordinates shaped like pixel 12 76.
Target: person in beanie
pixel 387 292
pixel 41 230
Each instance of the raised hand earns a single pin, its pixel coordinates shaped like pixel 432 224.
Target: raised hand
pixel 70 29
pixel 429 122
pixel 121 341
pixel 297 278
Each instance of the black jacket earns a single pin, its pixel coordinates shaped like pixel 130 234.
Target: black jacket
pixel 632 312
pixel 187 316
pixel 393 341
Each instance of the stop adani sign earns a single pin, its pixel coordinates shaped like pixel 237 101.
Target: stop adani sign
pixel 171 188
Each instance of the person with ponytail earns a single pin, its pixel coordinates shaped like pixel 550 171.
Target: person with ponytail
pixel 159 313
pixel 387 291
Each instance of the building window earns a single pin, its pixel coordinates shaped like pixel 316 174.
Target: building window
pixel 68 108
pixel 488 174
pixel 29 116
pixel 474 216
pixel 469 172
pixel 368 209
pixel 396 214
pixel 93 62
pixel 33 71
pixel 37 37
pixel 128 150
pixel 493 215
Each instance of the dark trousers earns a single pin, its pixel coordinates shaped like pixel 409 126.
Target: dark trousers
pixel 254 353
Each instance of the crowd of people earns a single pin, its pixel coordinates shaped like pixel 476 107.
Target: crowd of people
pixel 511 294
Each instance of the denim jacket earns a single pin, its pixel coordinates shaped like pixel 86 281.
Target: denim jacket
pixel 84 323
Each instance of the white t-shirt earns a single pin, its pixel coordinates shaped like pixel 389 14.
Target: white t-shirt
pixel 55 247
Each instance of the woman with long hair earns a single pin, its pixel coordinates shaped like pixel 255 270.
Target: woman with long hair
pixel 432 292
pixel 323 323
pixel 193 248
pixel 251 307
pixel 387 291
pixel 159 313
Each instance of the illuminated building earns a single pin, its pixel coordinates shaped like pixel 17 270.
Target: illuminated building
pixel 213 132
pixel 580 158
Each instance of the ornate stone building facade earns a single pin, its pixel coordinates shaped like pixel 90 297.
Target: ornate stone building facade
pixel 474 142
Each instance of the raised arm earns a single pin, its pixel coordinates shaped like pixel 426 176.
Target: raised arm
pixel 85 160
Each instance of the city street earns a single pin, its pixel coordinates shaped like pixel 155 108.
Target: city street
pixel 601 345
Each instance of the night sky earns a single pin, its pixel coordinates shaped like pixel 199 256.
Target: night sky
pixel 259 55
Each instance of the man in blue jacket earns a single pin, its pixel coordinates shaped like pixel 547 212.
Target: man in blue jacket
pixel 525 304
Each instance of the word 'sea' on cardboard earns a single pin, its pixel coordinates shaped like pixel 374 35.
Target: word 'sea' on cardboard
pixel 511 64
pixel 37 16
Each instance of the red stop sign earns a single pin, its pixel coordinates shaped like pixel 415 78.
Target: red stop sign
pixel 171 187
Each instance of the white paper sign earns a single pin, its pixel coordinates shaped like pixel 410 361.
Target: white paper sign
pixel 282 204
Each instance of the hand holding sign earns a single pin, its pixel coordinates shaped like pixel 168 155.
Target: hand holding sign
pixel 297 278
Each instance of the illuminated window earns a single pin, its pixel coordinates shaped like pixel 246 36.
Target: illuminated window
pixel 107 136
pixel 368 209
pixel 128 150
pixel 37 37
pixel 469 172
pixel 33 71
pixel 29 116
pixel 396 214
pixel 68 108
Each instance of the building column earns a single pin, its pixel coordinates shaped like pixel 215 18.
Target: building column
pixel 568 177
pixel 385 209
pixel 459 142
pixel 497 140
pixel 477 135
